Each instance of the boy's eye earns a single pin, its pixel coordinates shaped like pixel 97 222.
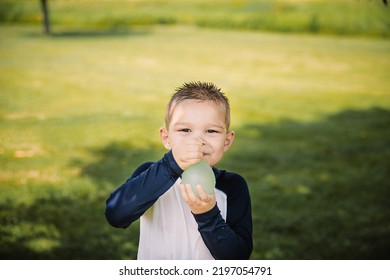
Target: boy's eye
pixel 211 131
pixel 184 130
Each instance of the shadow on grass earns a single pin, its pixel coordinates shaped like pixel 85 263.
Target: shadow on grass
pixel 319 191
pixel 62 228
pixel 92 33
pixel 115 162
pixel 71 225
pixel 99 34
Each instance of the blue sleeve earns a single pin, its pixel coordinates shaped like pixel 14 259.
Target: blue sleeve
pixel 230 239
pixel 148 182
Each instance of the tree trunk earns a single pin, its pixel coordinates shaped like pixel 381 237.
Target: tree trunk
pixel 45 12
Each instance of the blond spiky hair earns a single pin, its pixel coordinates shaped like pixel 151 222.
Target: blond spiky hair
pixel 201 91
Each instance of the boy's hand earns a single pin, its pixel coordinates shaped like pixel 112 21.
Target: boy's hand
pixel 197 205
pixel 188 153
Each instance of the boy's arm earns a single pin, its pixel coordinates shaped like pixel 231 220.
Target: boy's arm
pixel 127 203
pixel 231 239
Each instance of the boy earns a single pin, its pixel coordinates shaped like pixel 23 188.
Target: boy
pixel 174 223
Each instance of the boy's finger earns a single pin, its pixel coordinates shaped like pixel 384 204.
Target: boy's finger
pixel 196 143
pixel 190 193
pixel 194 154
pixel 202 194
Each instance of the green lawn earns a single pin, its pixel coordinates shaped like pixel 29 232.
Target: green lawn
pixel 80 110
pixel 342 17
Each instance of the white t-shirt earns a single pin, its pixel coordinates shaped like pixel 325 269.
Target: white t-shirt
pixel 168 229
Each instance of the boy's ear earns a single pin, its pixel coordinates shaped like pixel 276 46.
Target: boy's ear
pixel 229 140
pixel 164 138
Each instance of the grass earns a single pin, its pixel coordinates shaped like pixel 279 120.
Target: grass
pixel 80 110
pixel 343 17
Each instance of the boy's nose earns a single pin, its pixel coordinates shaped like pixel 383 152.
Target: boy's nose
pixel 202 142
pixel 200 139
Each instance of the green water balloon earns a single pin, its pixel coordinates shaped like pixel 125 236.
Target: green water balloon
pixel 199 174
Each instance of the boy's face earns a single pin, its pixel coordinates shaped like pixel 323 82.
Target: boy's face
pixel 203 122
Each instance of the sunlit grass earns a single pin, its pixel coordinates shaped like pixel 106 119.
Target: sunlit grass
pixel 342 17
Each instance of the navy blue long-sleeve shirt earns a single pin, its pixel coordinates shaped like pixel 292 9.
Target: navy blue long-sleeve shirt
pixel 230 239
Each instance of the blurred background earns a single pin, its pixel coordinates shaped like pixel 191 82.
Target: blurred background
pixel 83 88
